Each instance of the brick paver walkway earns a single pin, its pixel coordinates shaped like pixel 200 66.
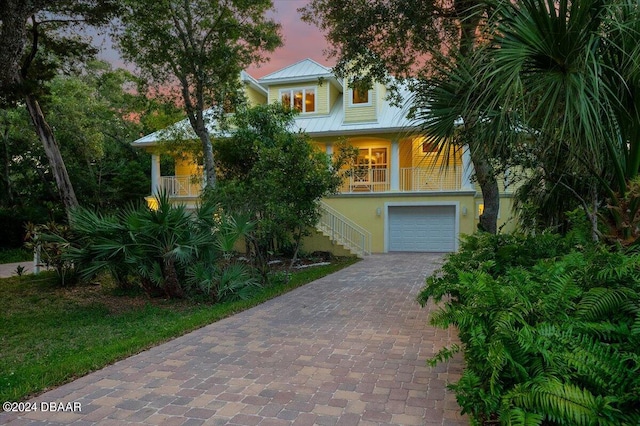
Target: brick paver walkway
pixel 347 349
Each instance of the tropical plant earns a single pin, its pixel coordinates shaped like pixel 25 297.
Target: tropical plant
pixel 158 247
pixel 555 89
pixel 49 242
pixel 276 176
pixel 549 330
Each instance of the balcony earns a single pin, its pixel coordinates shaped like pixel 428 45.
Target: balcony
pixel 358 181
pixel 411 179
pixel 181 186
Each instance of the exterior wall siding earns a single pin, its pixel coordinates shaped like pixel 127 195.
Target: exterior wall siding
pixel 334 95
pixel 358 113
pixel 186 167
pixel 255 97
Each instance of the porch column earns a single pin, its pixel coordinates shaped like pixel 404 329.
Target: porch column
pixel 467 169
pixel 329 151
pixel 155 174
pixel 507 179
pixel 395 165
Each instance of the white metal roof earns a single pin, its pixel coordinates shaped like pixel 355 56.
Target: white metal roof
pixel 246 77
pixel 389 118
pixel 306 69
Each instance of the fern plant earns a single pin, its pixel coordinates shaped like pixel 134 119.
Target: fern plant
pixel 549 330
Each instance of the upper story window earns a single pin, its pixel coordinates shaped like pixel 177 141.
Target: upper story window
pixel 360 97
pixel 300 99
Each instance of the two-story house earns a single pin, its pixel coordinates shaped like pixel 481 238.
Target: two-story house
pixel 399 197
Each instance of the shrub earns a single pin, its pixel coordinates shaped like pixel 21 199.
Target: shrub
pixel 550 332
pixel 162 249
pixel 51 241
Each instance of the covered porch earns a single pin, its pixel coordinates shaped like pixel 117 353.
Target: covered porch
pixel 382 166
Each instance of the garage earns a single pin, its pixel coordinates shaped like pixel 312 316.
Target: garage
pixel 426 228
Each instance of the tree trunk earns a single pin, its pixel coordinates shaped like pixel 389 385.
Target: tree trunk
pixel 485 175
pixel 207 152
pixel 65 189
pixel 172 286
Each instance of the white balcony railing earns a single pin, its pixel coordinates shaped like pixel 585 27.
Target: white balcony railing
pixel 366 180
pixel 181 186
pixel 411 179
pixel 430 179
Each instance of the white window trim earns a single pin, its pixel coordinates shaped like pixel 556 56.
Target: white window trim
pixel 304 92
pixel 366 104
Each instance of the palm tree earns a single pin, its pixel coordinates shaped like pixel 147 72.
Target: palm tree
pixel 568 70
pixel 556 89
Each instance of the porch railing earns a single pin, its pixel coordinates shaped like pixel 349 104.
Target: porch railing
pixel 181 186
pixel 367 180
pixel 411 179
pixel 430 179
pixel 344 231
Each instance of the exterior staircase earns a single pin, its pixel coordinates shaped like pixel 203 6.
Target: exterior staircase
pixel 343 231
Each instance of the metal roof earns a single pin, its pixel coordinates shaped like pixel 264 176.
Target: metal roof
pixel 303 70
pixel 389 118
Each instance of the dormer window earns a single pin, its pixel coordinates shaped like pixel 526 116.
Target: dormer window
pixel 359 96
pixel 300 99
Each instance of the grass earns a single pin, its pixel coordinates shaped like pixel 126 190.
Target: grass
pixel 51 335
pixel 15 255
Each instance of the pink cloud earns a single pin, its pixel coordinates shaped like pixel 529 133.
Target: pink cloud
pixel 301 40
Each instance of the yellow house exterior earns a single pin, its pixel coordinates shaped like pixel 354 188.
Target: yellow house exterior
pixel 400 196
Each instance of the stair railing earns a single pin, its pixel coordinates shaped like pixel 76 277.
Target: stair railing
pixel 344 231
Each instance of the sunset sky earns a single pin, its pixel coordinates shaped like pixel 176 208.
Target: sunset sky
pixel 301 41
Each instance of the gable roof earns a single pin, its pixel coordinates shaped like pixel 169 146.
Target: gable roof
pixel 304 70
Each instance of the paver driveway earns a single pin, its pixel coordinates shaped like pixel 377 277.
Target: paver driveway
pixel 347 349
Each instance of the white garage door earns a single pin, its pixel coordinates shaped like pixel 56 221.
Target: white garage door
pixel 422 228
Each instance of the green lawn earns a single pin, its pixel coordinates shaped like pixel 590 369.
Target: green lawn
pixel 51 335
pixel 15 255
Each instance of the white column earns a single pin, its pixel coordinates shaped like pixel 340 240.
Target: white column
pixel 467 169
pixel 395 165
pixel 329 152
pixel 507 179
pixel 155 174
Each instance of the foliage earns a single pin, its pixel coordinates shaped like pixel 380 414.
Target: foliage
pixel 50 241
pixel 96 117
pixel 549 329
pixel 38 40
pixel 276 176
pixel 159 248
pixel 556 88
pixel 15 255
pixel 195 50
